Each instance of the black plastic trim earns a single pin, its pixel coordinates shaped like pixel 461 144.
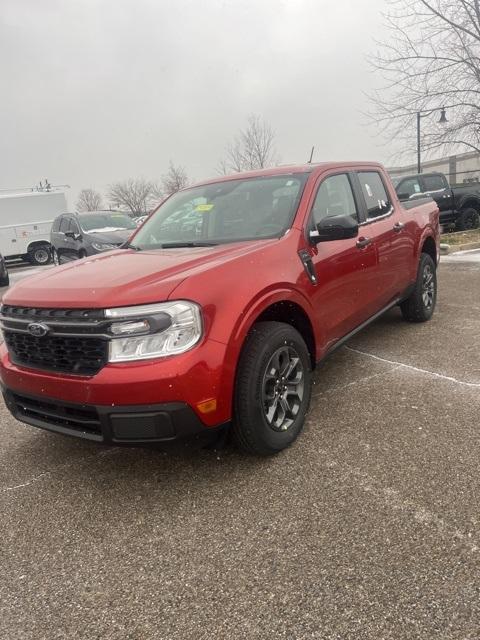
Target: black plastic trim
pixel 172 420
pixel 361 326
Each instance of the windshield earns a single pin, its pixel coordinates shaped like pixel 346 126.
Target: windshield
pixel 234 210
pixel 105 222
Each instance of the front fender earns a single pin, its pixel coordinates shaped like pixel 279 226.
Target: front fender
pixel 247 318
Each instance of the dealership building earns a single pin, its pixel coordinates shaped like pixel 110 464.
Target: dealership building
pixel 459 168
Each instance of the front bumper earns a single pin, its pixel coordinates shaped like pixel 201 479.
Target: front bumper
pixel 188 379
pixel 127 424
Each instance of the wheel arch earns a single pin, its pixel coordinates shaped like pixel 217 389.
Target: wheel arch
pixel 429 246
pixel 470 203
pixel 291 313
pixel 35 244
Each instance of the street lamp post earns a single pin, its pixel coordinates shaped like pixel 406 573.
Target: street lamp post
pixel 420 115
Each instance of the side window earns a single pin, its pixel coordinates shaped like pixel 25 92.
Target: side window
pixel 334 198
pixel 64 225
pixel 74 226
pixel 375 194
pixel 409 187
pixel 56 225
pixel 434 183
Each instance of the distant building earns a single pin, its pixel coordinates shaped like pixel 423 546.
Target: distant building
pixel 459 168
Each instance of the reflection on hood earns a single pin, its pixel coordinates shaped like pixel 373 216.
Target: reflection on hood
pixel 110 235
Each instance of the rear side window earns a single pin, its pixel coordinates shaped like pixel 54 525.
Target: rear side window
pixel 334 198
pixel 375 194
pixel 434 183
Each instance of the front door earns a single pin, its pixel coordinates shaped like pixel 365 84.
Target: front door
pixel 437 187
pixel 345 270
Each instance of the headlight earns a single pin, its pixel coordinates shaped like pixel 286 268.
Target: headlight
pixel 102 246
pixel 153 331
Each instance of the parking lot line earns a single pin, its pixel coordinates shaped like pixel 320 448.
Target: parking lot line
pixel 475 385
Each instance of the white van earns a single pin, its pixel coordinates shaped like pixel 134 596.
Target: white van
pixel 25 223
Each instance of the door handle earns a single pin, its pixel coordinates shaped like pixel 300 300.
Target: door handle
pixel 398 226
pixel 363 242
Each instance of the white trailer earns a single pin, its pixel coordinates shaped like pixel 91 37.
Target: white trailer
pixel 25 223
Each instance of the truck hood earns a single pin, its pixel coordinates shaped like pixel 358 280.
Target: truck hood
pixel 123 277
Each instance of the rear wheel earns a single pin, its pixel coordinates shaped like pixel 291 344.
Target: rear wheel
pixel 55 258
pixel 467 219
pixel 420 305
pixel 273 389
pixel 40 255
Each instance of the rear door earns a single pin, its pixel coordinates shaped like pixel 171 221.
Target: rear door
pixel 344 269
pixel 391 228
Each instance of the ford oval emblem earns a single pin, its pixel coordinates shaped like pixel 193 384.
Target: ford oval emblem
pixel 38 329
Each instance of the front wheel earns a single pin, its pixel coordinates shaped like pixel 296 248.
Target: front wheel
pixel 39 255
pixel 273 389
pixel 420 304
pixel 55 258
pixel 467 219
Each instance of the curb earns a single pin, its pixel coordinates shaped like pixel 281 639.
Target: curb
pixel 456 248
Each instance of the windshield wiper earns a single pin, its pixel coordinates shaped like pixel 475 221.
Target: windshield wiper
pixel 180 245
pixel 127 245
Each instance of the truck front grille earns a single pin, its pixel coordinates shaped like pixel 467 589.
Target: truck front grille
pixel 75 342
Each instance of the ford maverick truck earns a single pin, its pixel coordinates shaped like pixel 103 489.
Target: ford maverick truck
pixel 218 308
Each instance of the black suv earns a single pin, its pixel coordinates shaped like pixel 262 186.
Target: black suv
pixel 79 235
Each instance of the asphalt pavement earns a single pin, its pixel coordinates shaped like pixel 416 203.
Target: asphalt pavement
pixel 367 528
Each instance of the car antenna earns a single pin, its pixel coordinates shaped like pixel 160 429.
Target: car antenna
pixel 311 156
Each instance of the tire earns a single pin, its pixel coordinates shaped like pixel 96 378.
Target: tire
pixel 420 305
pixel 467 219
pixel 82 254
pixel 40 255
pixel 5 281
pixel 55 258
pixel 261 396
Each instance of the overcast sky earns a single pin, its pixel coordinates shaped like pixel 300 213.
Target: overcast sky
pixel 93 91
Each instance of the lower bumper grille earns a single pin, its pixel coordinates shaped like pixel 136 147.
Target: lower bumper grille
pixel 84 419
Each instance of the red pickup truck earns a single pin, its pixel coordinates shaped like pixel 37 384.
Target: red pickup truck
pixel 218 308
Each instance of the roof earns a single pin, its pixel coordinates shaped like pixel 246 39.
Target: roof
pixel 285 170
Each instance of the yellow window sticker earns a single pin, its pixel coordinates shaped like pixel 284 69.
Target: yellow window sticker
pixel 204 207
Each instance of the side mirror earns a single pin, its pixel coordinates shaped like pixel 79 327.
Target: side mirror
pixel 403 196
pixel 73 235
pixel 335 228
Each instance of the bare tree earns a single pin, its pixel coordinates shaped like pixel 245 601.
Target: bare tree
pixel 133 194
pixel 89 200
pixel 175 179
pixel 252 148
pixel 430 59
